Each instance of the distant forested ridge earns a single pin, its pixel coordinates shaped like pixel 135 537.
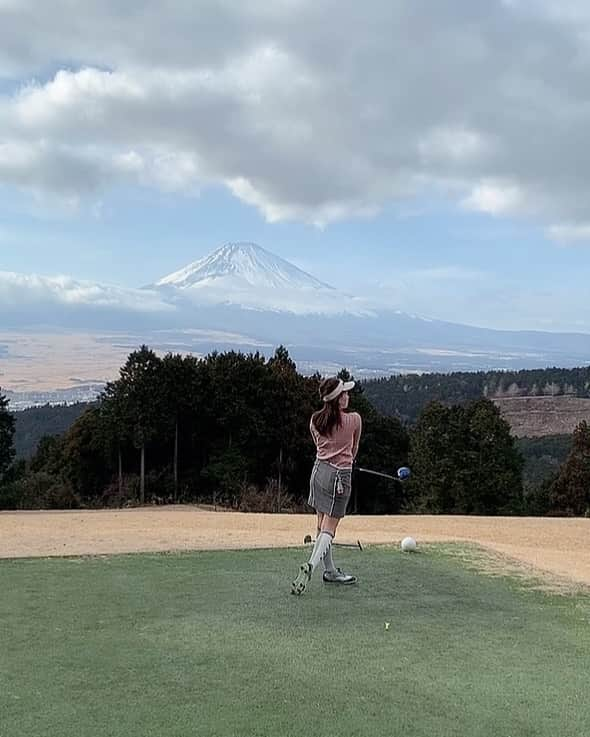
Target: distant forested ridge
pixel 404 396
pixel 34 423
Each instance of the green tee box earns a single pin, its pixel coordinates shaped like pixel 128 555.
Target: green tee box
pixel 212 644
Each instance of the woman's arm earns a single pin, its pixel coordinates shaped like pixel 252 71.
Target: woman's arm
pixel 314 433
pixel 356 437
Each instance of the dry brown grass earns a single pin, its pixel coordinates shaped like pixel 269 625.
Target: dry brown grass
pixel 559 548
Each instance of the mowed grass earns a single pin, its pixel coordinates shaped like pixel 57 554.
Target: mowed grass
pixel 213 644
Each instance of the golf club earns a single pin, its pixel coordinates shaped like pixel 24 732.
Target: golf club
pixel 403 473
pixel 309 540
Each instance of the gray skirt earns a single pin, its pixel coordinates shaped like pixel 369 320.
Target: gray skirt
pixel 330 489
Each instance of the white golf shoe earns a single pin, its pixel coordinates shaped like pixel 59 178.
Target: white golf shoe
pixel 303 578
pixel 338 576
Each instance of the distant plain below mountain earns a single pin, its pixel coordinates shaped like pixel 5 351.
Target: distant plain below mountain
pixel 244 297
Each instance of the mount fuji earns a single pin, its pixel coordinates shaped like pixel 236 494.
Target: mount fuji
pixel 249 276
pixel 243 297
pixel 257 294
pixel 246 263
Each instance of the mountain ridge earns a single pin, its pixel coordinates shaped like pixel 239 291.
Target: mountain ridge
pixel 245 274
pixel 223 306
pixel 248 261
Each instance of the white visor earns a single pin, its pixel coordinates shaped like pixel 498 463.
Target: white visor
pixel 343 386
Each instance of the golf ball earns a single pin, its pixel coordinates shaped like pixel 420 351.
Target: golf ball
pixel 403 473
pixel 408 545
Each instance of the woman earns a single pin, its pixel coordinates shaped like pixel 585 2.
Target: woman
pixel 336 434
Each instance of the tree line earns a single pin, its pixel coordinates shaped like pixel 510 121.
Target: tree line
pixel 231 430
pixel 542 455
pixel 33 423
pixel 405 395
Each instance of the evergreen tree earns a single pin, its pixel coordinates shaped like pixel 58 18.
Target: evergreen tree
pixel 114 411
pixel 6 436
pixel 406 395
pixel 49 455
pixel 494 485
pixel 537 497
pixel 141 402
pixel 570 492
pixel 84 461
pixel 465 461
pixel 233 413
pixel 178 382
pixel 384 446
pixel 288 411
pixel 34 423
pixel 437 446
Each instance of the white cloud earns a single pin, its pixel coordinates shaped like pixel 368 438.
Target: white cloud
pixel 21 290
pixel 453 144
pixel 496 199
pixel 569 232
pixel 308 111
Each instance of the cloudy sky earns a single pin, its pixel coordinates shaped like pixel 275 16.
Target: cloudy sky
pixel 436 154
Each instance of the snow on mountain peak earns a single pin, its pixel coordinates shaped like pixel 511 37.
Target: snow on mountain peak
pixel 246 263
pixel 248 276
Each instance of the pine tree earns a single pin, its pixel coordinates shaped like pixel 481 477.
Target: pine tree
pixel 116 432
pixel 6 436
pixel 284 401
pixel 494 484
pixel 570 493
pixel 141 402
pixel 437 446
pixel 465 461
pixel 289 404
pixel 234 408
pixel 82 449
pixel 179 381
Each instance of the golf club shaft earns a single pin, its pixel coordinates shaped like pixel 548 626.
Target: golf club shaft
pixel 348 545
pixel 379 473
pixel 356 545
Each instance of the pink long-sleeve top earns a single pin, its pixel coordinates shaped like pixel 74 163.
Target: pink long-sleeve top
pixel 339 448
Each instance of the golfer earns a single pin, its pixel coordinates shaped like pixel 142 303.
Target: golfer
pixel 336 434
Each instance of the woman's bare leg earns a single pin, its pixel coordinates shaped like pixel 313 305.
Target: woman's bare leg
pixel 329 524
pixel 320 519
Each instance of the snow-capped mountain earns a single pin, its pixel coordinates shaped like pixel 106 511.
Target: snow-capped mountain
pixel 248 262
pixel 248 276
pixel 243 297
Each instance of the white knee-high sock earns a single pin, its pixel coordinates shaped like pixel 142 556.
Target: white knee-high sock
pixel 328 560
pixel 321 547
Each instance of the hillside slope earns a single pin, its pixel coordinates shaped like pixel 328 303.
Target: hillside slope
pixel 534 417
